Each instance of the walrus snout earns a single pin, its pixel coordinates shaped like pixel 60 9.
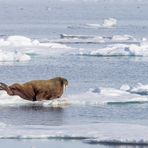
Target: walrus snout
pixel 65 82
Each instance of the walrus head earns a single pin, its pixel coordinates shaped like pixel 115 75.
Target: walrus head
pixel 64 83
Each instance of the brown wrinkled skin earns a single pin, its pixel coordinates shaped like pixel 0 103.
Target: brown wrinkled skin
pixel 37 90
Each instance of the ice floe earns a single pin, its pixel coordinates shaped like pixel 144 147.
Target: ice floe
pixel 107 23
pixel 20 48
pixel 98 133
pixel 92 97
pixel 11 56
pixel 118 50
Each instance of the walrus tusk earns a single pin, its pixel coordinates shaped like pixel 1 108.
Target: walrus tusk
pixel 64 87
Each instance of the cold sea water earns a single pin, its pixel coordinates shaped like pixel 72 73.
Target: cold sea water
pixel 101 47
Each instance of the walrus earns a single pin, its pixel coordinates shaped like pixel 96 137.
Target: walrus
pixel 37 90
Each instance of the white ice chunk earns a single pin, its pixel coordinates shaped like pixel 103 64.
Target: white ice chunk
pixel 110 22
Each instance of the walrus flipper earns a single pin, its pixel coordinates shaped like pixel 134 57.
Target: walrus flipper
pixel 5 87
